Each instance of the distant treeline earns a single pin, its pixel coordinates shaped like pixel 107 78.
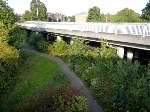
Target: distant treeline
pixel 38 11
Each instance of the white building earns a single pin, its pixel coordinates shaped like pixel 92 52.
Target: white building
pixel 81 17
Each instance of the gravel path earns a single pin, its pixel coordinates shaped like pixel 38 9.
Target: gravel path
pixel 75 81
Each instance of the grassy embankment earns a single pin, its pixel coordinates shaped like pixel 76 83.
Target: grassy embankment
pixel 36 74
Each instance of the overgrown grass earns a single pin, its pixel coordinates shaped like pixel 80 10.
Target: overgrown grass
pixel 36 74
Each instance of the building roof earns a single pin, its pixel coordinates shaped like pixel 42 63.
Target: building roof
pixel 81 14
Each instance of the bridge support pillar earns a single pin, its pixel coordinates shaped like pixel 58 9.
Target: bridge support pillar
pixel 129 54
pixel 71 42
pixel 59 38
pixel 120 52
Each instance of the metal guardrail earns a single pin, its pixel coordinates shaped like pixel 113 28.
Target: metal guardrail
pixel 133 29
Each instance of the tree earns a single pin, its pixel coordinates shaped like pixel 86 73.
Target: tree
pixel 42 12
pixel 126 15
pixel 27 16
pixel 71 18
pixel 34 7
pixel 94 15
pixel 9 32
pixel 38 11
pixel 146 12
pixel 18 17
pixel 7 16
pixel 7 21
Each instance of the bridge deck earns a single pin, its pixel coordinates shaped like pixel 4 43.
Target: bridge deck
pixel 135 35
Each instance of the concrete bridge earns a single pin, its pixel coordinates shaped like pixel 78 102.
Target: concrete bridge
pixel 128 38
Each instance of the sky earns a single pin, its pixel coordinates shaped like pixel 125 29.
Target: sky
pixel 73 7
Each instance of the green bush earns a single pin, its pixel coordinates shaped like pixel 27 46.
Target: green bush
pixel 18 37
pixel 7 15
pixel 9 60
pixel 14 36
pixel 58 48
pixel 34 38
pixel 7 21
pixel 37 41
pixel 8 55
pixel 68 101
pixel 78 48
pixel 4 33
pixel 118 85
pixel 75 104
pixel 42 46
pixel 55 100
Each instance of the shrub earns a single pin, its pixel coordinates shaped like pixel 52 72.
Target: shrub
pixel 13 35
pixel 117 85
pixel 74 104
pixel 130 80
pixel 69 101
pixel 34 38
pixel 7 21
pixel 37 41
pixel 18 37
pixel 78 48
pixel 61 100
pixel 8 54
pixel 106 52
pixel 4 33
pixel 7 15
pixel 9 58
pixel 42 45
pixel 58 48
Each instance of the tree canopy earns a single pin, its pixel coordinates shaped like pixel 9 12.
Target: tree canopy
pixel 7 21
pixel 38 11
pixel 94 15
pixel 126 15
pixel 27 15
pixel 7 16
pixel 9 32
pixel 146 12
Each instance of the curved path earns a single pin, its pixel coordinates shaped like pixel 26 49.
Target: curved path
pixel 75 81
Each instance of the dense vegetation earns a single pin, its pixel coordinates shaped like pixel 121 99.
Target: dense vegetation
pixel 9 61
pixel 29 82
pixel 11 38
pixel 118 85
pixel 126 15
pixel 41 82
